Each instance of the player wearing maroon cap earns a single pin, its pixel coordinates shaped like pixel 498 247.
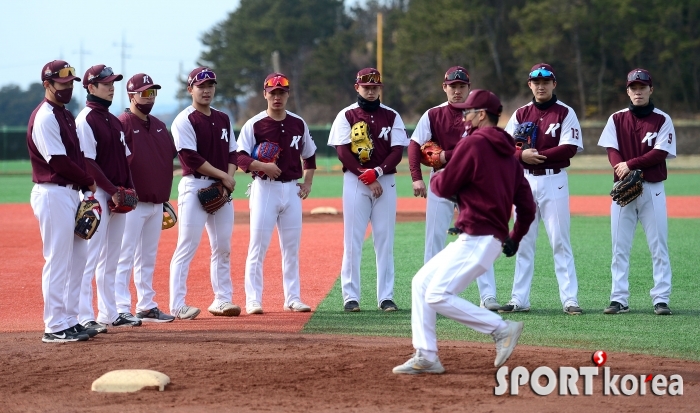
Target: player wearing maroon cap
pixel 640 137
pixel 207 151
pixel 275 198
pixel 443 124
pixel 58 173
pixel 558 139
pixel 151 162
pixel 369 138
pixel 102 141
pixel 487 181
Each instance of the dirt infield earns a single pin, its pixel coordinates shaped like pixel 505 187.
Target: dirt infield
pixel 263 363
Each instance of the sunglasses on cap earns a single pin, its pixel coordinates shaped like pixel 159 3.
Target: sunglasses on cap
pixel 64 72
pixel 203 75
pixel 541 73
pixel 639 75
pixel 465 112
pixel 369 78
pixel 457 75
pixel 148 93
pixel 277 81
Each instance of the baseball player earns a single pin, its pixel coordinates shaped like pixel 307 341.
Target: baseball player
pixel 640 137
pixel 58 173
pixel 151 162
pixel 275 195
pixel 207 151
pixel 443 124
pixel 369 138
pixel 558 139
pixel 487 181
pixel 102 141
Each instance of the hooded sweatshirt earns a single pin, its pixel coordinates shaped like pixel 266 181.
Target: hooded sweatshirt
pixel 487 181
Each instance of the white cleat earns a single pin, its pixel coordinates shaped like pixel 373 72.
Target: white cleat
pixel 506 340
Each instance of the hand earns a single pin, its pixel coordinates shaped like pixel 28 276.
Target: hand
pixel 376 189
pixel 621 170
pixel 510 247
pixel 530 156
pixel 419 189
pixel 271 170
pixel 370 175
pixel 443 159
pixel 88 195
pixel 228 182
pixel 115 198
pixel 304 190
pixel 93 187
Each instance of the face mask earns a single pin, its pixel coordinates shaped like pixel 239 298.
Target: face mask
pixel 144 108
pixel 63 96
pixel 469 127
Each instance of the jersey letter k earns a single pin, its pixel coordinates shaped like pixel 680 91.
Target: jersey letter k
pixel 552 129
pixel 295 142
pixel 649 137
pixel 385 133
pixel 224 134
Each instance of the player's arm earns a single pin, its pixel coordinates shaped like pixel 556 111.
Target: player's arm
pixel 524 206
pixel 88 144
pixel 457 174
pixel 308 156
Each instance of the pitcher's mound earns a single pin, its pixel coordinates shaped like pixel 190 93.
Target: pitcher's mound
pixel 127 381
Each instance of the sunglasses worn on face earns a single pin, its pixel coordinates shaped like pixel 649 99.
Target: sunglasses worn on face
pixel 64 72
pixel 203 75
pixel 638 76
pixel 277 81
pixel 541 73
pixel 370 78
pixel 457 75
pixel 148 93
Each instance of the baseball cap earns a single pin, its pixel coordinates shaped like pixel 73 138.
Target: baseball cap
pixel 59 71
pixel 100 74
pixel 481 99
pixel 140 82
pixel 200 75
pixel 456 74
pixel 542 70
pixel 368 76
pixel 639 76
pixel 276 81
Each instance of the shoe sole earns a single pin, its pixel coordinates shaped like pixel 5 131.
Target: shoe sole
pixel 294 310
pixel 573 312
pixel 155 320
pixel 389 309
pixel 663 313
pixel 64 340
pixel 192 317
pixel 616 312
pixel 527 310
pixel 126 325
pixel 414 372
pixel 255 311
pixel 231 312
pixel 353 310
pixel 514 341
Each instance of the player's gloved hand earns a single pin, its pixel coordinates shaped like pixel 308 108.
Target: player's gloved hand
pixel 370 175
pixel 510 247
pixel 88 195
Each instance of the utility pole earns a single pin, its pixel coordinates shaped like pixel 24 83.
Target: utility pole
pixel 380 42
pixel 82 52
pixel 124 56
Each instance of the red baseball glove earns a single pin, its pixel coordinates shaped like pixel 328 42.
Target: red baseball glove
pixel 126 200
pixel 430 155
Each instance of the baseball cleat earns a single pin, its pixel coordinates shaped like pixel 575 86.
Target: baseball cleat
pixel 94 325
pixel 573 310
pixel 298 306
pixel 490 304
pixel 388 305
pixel 506 339
pixel 352 306
pixel 225 309
pixel 253 307
pixel 512 307
pixel 79 329
pixel 66 336
pixel 419 365
pixel 154 315
pixel 616 308
pixel 126 320
pixel 662 309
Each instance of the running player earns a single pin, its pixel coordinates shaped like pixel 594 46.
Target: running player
pixel 102 141
pixel 487 181
pixel 207 151
pixel 369 138
pixel 640 137
pixel 558 139
pixel 275 198
pixel 58 173
pixel 443 124
pixel 151 162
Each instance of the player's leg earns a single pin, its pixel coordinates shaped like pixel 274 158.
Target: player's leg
pixel 289 229
pixel 107 268
pixel 525 258
pixel 487 289
pixel 383 219
pixel 264 204
pixel 357 206
pixel 145 259
pixel 133 237
pixel 623 221
pixel 220 230
pixel 652 214
pixel 438 216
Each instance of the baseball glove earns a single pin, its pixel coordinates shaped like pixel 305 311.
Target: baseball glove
pixel 126 200
pixel 430 155
pixel 629 188
pixel 87 217
pixel 525 136
pixel 360 142
pixel 267 152
pixel 169 216
pixel 213 197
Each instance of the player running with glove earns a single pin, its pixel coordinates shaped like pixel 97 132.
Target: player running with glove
pixel 443 125
pixel 272 145
pixel 487 181
pixel 369 138
pixel 639 140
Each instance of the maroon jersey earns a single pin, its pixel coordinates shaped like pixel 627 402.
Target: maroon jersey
pixel 102 139
pixel 442 124
pixel 51 132
pixel 152 153
pixel 291 134
pixel 209 136
pixel 634 137
pixel 488 181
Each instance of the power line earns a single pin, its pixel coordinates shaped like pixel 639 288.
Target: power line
pixel 124 56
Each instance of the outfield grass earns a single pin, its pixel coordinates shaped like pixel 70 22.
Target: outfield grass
pixel 640 331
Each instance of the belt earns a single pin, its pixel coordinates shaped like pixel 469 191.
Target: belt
pixel 70 186
pixel 266 178
pixel 542 172
pixel 204 177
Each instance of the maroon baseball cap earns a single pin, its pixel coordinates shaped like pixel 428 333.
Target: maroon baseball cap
pixel 543 71
pixel 456 74
pixel 368 76
pixel 481 99
pixel 200 75
pixel 276 81
pixel 100 74
pixel 639 76
pixel 59 71
pixel 140 82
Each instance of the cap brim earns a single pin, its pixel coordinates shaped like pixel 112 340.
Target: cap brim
pixel 462 105
pixel 370 84
pixel 199 82
pixel 449 82
pixel 65 79
pixel 146 87
pixel 270 89
pixel 113 78
pixel 641 82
